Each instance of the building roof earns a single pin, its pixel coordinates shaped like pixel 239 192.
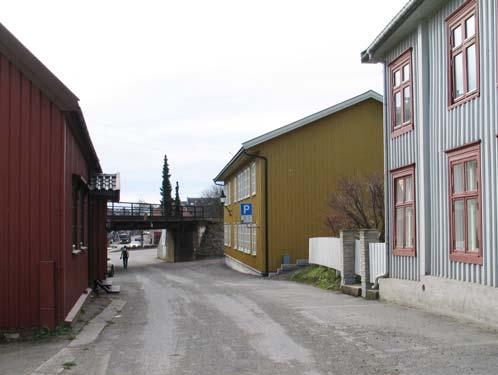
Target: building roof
pixel 240 156
pixel 400 26
pixel 34 70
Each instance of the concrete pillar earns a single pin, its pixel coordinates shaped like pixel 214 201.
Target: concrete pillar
pixel 367 236
pixel 166 247
pixel 170 246
pixel 347 252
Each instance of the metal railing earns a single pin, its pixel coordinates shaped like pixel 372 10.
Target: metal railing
pixel 145 210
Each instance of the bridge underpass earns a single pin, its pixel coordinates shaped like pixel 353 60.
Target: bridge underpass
pixel 183 228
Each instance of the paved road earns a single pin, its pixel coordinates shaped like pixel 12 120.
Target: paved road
pixel 202 318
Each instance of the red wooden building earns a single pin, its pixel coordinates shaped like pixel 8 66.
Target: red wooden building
pixel 53 194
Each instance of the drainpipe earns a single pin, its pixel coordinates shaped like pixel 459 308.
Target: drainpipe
pixel 387 185
pixel 266 206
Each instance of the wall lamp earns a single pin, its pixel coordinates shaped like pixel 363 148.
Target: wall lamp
pixel 223 199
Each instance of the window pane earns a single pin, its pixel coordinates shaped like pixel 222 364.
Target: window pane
pixel 459 225
pixel 400 228
pixel 472 225
pixel 397 103
pixel 406 72
pixel 470 26
pixel 397 78
pixel 409 188
pixel 407 115
pixel 458 75
pixel 471 68
pixel 471 175
pixel 400 190
pixel 457 36
pixel 409 227
pixel 458 178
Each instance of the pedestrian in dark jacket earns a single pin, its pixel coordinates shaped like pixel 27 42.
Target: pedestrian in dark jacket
pixel 124 255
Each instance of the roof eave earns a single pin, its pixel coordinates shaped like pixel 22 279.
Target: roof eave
pixel 312 118
pixel 402 24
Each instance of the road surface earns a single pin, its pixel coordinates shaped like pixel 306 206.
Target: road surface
pixel 203 318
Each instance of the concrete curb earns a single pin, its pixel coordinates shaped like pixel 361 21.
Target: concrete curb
pixel 75 311
pixel 88 335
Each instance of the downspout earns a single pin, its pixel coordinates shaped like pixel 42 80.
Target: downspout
pixel 387 185
pixel 266 206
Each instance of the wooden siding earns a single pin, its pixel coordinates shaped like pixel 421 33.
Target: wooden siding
pixel 40 279
pixel 31 147
pixel 303 169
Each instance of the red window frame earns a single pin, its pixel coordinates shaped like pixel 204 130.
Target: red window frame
pixel 397 66
pixel 397 174
pixel 456 156
pixel 457 19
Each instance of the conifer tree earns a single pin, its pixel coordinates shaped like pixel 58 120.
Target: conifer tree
pixel 177 200
pixel 166 200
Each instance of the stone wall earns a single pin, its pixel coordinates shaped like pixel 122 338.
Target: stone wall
pixel 211 242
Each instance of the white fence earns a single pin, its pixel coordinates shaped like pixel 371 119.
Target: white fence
pixel 378 262
pixel 325 251
pixel 357 269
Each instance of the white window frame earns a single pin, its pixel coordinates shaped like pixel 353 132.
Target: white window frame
pixel 253 178
pixel 227 235
pixel 245 182
pixel 227 190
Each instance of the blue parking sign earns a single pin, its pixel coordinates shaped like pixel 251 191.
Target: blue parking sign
pixel 246 209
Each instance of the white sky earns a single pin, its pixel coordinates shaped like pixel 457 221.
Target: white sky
pixel 194 79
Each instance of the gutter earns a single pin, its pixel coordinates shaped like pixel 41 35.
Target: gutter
pixel 265 159
pixel 386 188
pixel 368 56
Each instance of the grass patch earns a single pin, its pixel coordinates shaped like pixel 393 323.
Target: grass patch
pixel 60 330
pixel 68 365
pixel 319 276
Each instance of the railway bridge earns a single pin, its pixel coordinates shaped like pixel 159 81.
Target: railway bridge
pixel 183 227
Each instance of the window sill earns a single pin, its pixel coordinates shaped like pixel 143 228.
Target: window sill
pixel 466 258
pixel 402 130
pixel 404 252
pixel 463 100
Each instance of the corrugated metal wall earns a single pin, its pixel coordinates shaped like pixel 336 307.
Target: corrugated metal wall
pixel 473 121
pixel 403 152
pixel 31 170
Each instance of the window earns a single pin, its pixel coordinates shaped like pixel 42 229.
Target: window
pixel 404 211
pixel 78 216
pixel 253 178
pixel 246 182
pixel 463 53
pixel 246 238
pixel 228 235
pixel 465 204
pixel 254 242
pixel 227 190
pixel 401 84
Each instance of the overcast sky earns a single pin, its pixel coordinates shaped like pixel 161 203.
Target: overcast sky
pixel 194 79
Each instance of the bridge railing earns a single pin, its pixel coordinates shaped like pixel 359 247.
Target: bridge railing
pixel 136 210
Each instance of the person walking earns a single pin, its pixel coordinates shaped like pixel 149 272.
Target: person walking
pixel 124 255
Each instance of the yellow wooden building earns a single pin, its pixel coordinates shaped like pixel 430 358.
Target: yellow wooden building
pixel 288 175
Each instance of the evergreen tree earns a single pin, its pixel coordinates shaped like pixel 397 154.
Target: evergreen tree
pixel 177 200
pixel 166 200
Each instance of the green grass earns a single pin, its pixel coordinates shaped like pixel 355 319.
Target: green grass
pixel 68 365
pixel 60 330
pixel 319 276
